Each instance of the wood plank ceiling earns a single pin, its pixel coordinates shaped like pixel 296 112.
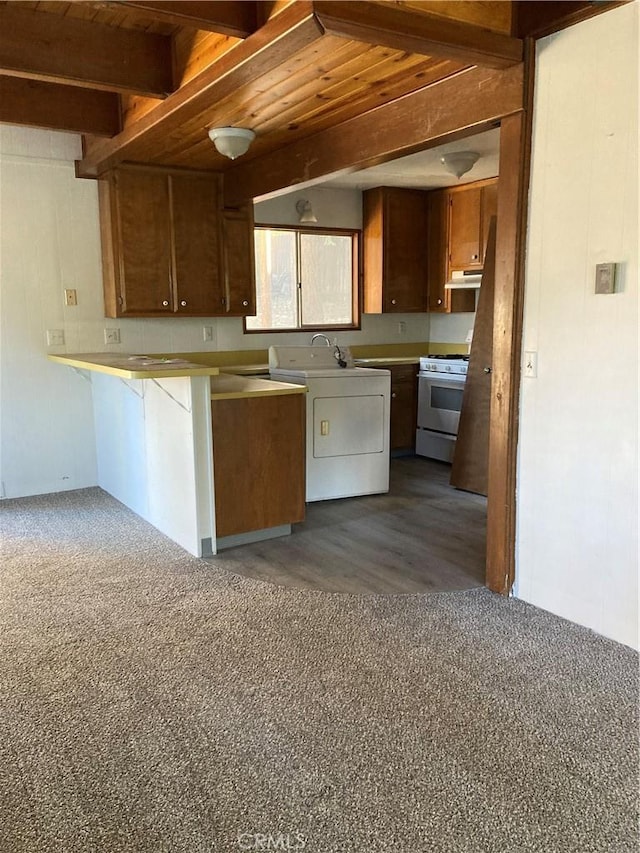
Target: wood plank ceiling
pixel 143 81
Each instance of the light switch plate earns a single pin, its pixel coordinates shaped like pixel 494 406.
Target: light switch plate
pixel 55 337
pixel 70 297
pixel 112 336
pixel 531 364
pixel 606 278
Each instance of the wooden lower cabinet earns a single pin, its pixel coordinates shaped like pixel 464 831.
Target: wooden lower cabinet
pixel 404 406
pixel 259 462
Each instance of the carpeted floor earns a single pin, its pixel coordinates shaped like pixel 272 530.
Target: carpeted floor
pixel 152 702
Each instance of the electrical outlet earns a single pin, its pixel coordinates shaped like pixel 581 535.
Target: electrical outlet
pixel 112 336
pixel 70 297
pixel 207 333
pixel 531 364
pixel 55 337
pixel 402 327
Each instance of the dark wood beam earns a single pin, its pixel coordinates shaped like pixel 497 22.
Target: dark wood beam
pixel 58 107
pixel 57 49
pixel 217 16
pixel 267 49
pixel 513 188
pixel 459 105
pixel 417 32
pixel 540 18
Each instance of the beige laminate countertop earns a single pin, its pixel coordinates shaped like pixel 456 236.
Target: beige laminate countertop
pixel 388 361
pixel 384 361
pixel 246 369
pixel 128 366
pixel 232 387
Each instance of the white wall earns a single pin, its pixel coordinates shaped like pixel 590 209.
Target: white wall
pixel 48 241
pixel 577 549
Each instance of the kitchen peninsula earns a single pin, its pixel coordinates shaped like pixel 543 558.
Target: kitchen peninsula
pixel 178 444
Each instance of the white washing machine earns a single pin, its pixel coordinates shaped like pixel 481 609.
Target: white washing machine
pixel 347 419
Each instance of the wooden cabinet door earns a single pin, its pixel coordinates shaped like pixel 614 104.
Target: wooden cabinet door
pixel 195 215
pixel 437 215
pixel 489 209
pixel 404 406
pixel 259 462
pixel 142 244
pixel 239 262
pixel 395 250
pixel 405 251
pixel 464 229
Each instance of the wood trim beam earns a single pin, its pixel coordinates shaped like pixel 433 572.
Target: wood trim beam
pixel 538 18
pixel 58 107
pixel 402 29
pixel 289 32
pixel 464 103
pixel 217 16
pixel 513 187
pixel 57 49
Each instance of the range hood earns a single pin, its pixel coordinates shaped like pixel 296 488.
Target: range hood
pixel 464 280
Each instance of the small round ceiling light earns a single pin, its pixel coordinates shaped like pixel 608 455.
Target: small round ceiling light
pixel 232 141
pixel 458 163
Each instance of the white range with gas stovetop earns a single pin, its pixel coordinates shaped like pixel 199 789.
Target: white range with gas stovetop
pixel 441 380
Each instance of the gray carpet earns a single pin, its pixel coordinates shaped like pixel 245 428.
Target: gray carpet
pixel 152 702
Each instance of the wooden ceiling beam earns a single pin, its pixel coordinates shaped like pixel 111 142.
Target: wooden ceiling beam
pixel 413 32
pixel 462 104
pixel 57 49
pixel 538 18
pixel 58 107
pixel 217 16
pixel 267 49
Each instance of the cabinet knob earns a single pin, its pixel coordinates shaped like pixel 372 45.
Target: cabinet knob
pixel 474 257
pixel 183 302
pixel 245 302
pixel 439 301
pixel 487 369
pixel 393 301
pixel 165 303
pixel 393 394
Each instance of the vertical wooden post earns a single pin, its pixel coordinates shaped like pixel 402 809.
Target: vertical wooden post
pixel 515 141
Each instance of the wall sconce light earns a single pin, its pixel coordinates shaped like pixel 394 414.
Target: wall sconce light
pixel 458 163
pixel 305 211
pixel 232 141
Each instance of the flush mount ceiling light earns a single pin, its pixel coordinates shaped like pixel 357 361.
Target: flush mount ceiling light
pixel 232 141
pixel 460 162
pixel 305 211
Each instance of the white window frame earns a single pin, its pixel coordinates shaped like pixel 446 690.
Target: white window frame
pixel 356 278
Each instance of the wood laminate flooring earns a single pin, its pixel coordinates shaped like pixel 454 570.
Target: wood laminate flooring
pixel 423 536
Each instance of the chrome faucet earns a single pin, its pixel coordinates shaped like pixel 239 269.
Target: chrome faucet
pixel 320 335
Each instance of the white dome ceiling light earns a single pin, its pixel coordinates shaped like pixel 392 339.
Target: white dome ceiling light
pixel 232 141
pixel 460 162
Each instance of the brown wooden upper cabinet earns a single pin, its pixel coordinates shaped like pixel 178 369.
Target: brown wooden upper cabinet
pixel 163 252
pixel 459 220
pixel 395 250
pixel 239 262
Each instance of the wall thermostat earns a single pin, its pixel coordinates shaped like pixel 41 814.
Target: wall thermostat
pixel 606 278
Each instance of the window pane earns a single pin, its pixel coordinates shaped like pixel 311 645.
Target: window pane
pixel 276 286
pixel 327 279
